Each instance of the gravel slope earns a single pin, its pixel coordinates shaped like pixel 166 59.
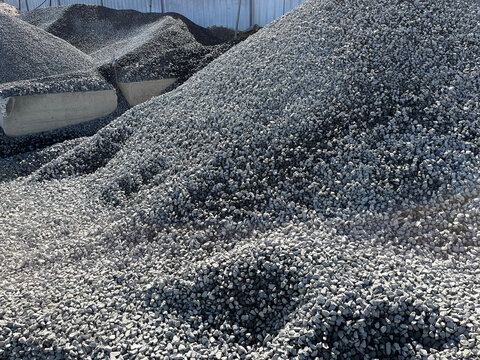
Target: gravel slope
pixel 8 9
pixel 321 202
pixel 28 52
pixel 36 62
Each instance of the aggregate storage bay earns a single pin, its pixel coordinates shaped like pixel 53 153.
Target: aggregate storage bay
pixel 310 194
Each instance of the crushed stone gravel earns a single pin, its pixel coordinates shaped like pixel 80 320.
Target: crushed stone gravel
pixel 321 202
pixel 36 62
pixel 142 46
pixel 8 9
pixel 87 80
pixel 28 52
pixel 90 27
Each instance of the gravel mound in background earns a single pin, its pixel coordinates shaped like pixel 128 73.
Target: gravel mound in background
pixel 89 27
pixel 8 9
pixel 28 52
pixel 143 46
pixel 36 62
pixel 313 193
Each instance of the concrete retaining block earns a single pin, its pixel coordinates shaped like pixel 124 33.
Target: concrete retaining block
pixel 141 91
pixel 24 115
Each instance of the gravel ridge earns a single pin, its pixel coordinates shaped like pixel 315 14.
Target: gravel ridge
pixel 89 80
pixel 46 54
pixel 143 46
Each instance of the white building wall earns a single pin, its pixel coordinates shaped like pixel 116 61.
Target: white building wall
pixel 202 12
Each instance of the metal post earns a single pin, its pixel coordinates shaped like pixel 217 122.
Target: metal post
pixel 50 3
pixel 238 17
pixel 283 7
pixel 58 3
pixel 101 2
pixel 251 14
pixel 151 5
pixel 26 3
pixel 19 5
pixel 162 2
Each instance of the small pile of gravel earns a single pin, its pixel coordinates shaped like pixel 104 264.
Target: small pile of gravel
pixel 143 46
pixel 35 62
pixel 321 202
pixel 8 9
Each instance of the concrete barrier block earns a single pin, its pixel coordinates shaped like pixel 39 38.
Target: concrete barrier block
pixel 24 115
pixel 141 91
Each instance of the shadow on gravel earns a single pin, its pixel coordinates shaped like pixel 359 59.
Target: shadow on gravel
pixel 249 299
pixel 383 334
pixel 42 347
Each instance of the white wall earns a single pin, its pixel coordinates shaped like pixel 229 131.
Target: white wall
pixel 203 12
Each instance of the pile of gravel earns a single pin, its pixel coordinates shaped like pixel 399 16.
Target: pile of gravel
pixel 321 202
pixel 142 46
pixel 91 28
pixel 36 62
pixel 8 9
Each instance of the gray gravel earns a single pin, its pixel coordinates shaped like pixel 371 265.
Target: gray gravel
pixel 36 62
pixel 91 28
pixel 28 52
pixel 88 80
pixel 312 193
pixel 143 46
pixel 43 17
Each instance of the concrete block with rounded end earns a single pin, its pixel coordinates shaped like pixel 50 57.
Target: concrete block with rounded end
pixel 24 115
pixel 141 91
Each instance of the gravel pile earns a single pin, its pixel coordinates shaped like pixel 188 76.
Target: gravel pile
pixel 321 202
pixel 8 9
pixel 35 62
pixel 143 46
pixel 90 28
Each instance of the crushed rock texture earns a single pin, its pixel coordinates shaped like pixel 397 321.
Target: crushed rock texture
pixel 28 52
pixel 36 62
pixel 87 80
pixel 128 45
pixel 8 9
pixel 313 193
